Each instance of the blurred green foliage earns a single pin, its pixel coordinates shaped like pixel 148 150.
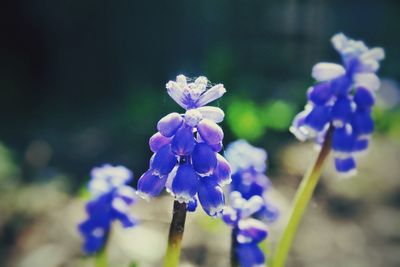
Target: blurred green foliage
pixel 250 121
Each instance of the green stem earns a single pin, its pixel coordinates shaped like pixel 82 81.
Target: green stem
pixel 301 200
pixel 175 235
pixel 100 259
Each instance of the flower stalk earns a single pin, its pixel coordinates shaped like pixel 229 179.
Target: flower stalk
pixel 234 243
pixel 176 230
pixel 101 259
pixel 301 201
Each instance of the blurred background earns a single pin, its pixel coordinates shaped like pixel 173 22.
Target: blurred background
pixel 82 83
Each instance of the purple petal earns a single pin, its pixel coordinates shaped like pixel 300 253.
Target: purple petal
pixel 203 158
pixel 164 161
pixel 342 141
pixel 346 167
pixel 364 98
pixel 341 111
pixel 251 230
pixel 150 185
pixel 169 124
pixel 210 132
pixel 183 142
pixel 211 196
pixel 320 93
pixel 363 123
pixel 157 141
pixel 250 255
pixel 223 171
pixel 184 185
pixel 318 118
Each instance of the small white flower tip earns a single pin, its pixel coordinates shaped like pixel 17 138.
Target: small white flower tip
pixel 327 71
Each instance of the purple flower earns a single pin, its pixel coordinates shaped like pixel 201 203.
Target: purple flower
pixel 248 165
pixel 247 230
pixel 186 160
pixel 249 209
pixel 111 199
pixel 342 97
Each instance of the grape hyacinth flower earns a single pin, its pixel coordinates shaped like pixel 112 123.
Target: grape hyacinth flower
pixel 338 117
pixel 186 160
pixel 111 199
pixel 249 209
pixel 342 99
pixel 247 232
pixel 248 164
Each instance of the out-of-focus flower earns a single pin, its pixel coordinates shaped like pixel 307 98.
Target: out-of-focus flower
pixel 111 199
pixel 342 98
pixel 186 160
pixel 249 210
pixel 247 230
pixel 248 165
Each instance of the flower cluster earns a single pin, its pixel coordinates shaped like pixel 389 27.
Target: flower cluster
pixel 247 230
pixel 248 165
pixel 111 198
pixel 248 206
pixel 186 160
pixel 342 99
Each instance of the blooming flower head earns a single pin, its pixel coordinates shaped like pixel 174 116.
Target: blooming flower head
pixel 342 99
pixel 111 198
pixel 186 160
pixel 248 165
pixel 247 230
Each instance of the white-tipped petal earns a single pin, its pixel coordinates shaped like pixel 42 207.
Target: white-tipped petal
pixel 212 94
pixel 327 71
pixel 175 91
pixel 212 113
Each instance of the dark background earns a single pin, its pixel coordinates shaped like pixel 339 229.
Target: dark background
pixel 86 79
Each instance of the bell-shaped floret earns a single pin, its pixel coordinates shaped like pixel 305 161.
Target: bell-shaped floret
pixel 223 171
pixel 164 161
pixel 250 255
pixel 318 118
pixel 320 93
pixel 364 98
pixel 203 158
pixel 341 111
pixel 169 124
pixel 251 230
pixel 363 123
pixel 183 142
pixel 210 132
pixel 184 185
pixel 150 185
pixel 211 196
pixel 345 166
pixel 157 141
pixel 343 141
